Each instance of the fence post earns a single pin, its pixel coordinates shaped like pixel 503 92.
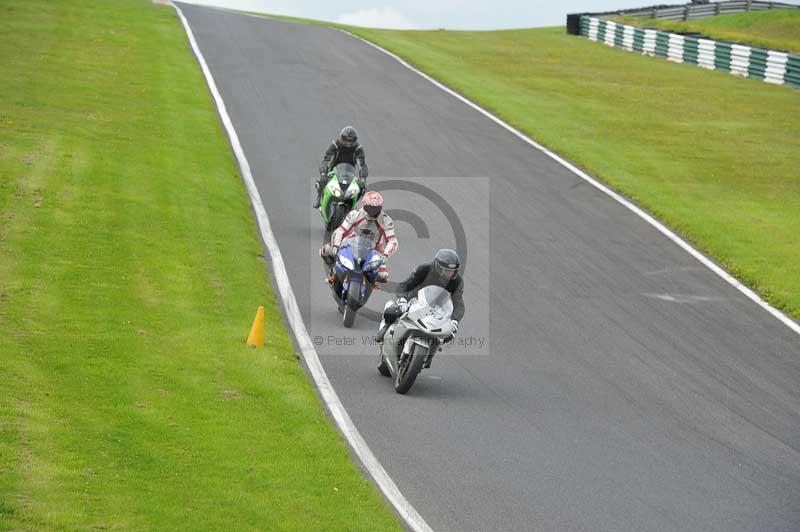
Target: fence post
pixel 654 13
pixel 686 11
pixel 716 8
pixel 749 4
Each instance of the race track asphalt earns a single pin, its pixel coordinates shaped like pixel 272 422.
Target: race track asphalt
pixel 621 386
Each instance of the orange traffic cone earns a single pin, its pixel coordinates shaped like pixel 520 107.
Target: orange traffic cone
pixel 256 338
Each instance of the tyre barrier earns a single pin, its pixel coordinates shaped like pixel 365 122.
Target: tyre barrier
pixel 771 66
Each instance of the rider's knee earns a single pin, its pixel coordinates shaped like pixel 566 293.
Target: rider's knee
pixel 391 312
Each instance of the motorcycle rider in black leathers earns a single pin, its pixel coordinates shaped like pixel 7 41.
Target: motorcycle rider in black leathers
pixel 344 149
pixel 444 272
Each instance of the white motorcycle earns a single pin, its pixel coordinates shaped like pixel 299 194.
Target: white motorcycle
pixel 411 341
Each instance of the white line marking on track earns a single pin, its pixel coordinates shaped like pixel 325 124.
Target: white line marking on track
pixel 412 518
pixel 793 325
pixel 684 298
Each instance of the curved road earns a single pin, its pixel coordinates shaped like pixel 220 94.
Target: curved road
pixel 621 386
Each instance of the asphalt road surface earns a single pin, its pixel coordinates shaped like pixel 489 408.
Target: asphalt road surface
pixel 621 385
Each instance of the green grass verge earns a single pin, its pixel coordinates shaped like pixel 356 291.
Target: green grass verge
pixel 775 29
pixel 713 156
pixel 130 269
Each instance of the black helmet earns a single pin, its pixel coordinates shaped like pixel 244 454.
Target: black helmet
pixel 348 136
pixel 446 264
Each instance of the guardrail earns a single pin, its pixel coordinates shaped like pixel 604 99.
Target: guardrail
pixel 698 10
pixel 766 65
pixel 690 11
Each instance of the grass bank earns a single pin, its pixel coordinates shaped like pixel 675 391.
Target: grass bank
pixel 130 269
pixel 776 29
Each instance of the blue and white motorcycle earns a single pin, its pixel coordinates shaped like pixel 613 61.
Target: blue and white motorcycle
pixel 354 274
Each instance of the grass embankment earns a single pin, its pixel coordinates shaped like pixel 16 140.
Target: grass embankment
pixel 775 29
pixel 714 156
pixel 130 269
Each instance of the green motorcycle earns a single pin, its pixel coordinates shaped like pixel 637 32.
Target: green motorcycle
pixel 339 196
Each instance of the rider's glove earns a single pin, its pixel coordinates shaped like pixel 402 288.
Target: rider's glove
pixel 382 277
pixel 334 250
pixel 455 326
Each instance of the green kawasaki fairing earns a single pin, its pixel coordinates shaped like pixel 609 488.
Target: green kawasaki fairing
pixel 340 195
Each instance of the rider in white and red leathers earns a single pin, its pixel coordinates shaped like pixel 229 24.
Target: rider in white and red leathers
pixel 369 221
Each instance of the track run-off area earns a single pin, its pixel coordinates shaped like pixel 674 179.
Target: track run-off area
pixel 611 380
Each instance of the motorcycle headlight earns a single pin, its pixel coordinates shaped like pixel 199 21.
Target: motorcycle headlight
pixel 335 189
pixel 346 262
pixel 373 264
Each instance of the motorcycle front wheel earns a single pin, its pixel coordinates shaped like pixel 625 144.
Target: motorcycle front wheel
pixel 338 215
pixel 352 305
pixel 409 367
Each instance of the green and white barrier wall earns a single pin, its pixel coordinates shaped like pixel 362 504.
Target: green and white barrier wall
pixel 766 65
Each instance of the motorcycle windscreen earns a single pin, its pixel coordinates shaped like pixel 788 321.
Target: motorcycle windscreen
pixel 436 298
pixel 345 173
pixel 360 247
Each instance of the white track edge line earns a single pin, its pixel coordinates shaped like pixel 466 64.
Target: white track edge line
pixel 412 518
pixel 793 325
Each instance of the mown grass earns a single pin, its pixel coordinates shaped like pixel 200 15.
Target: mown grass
pixel 776 29
pixel 130 269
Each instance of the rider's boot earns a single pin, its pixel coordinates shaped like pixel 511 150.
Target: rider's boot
pixel 318 198
pixel 381 332
pixel 382 368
